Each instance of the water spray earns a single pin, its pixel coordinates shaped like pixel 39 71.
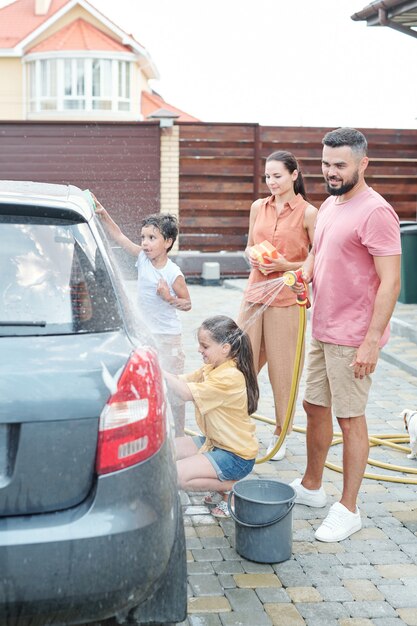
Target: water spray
pixel 266 292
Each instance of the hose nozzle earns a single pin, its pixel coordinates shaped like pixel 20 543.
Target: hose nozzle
pixel 292 278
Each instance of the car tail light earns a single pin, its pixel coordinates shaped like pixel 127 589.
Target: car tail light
pixel 133 422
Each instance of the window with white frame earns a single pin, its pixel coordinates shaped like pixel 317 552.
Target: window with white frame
pixel 46 83
pixel 124 86
pixel 74 84
pixel 79 84
pixel 102 84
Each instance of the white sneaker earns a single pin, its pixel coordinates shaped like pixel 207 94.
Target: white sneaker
pixel 309 497
pixel 339 524
pixel 278 456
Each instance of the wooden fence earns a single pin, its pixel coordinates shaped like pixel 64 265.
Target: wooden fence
pixel 119 162
pixel 221 169
pixel 221 174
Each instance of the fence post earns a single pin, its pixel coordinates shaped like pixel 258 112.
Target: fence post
pixel 256 161
pixel 170 172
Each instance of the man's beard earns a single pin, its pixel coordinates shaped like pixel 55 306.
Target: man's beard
pixel 345 188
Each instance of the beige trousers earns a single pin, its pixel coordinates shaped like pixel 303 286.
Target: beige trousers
pixel 273 333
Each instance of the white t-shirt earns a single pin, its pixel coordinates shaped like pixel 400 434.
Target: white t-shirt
pixel 162 318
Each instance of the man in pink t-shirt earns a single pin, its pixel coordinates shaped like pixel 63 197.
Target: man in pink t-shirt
pixel 355 270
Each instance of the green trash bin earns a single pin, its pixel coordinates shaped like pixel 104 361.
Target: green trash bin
pixel 408 293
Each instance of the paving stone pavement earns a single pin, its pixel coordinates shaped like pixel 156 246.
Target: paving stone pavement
pixel 369 579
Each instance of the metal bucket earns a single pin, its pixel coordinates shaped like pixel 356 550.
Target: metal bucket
pixel 262 512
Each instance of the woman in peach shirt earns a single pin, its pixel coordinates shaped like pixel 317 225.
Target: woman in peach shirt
pixel 285 219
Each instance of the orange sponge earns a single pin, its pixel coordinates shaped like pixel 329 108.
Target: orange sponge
pixel 261 251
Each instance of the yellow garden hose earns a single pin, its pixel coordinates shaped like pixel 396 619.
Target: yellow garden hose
pixel 390 440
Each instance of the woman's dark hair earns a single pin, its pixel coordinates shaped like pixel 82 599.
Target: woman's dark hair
pixel 291 164
pixel 224 330
pixel 166 223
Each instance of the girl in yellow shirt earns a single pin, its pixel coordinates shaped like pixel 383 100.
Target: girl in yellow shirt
pixel 225 393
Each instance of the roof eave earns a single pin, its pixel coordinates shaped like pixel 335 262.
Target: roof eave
pixel 20 47
pixel 149 68
pixel 10 52
pixel 381 13
pixel 372 9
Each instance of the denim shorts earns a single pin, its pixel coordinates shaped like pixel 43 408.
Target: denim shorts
pixel 228 466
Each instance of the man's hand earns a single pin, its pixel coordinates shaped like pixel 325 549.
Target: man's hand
pixel 366 359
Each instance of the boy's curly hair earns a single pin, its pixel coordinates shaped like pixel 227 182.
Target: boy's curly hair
pixel 166 223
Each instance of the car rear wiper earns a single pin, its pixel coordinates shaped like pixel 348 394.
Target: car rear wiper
pixel 12 323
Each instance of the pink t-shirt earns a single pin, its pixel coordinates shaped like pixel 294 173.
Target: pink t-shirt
pixel 345 282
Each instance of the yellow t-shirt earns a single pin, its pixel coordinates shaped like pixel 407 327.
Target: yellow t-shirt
pixel 221 407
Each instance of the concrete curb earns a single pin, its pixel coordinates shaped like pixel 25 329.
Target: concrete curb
pixel 403 329
pixel 395 360
pixel 234 284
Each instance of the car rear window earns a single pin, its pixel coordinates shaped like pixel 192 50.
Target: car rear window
pixel 53 279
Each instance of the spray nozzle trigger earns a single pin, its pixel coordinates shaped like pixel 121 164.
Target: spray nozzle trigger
pixel 292 278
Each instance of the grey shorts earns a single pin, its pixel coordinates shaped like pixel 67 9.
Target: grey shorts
pixel 331 381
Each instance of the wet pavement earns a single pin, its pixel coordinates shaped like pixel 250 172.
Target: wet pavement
pixel 367 579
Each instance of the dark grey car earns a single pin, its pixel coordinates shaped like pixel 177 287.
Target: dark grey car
pixel 90 520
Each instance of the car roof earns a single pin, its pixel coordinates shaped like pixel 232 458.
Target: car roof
pixel 63 197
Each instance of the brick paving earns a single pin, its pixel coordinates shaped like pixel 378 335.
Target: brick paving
pixel 370 579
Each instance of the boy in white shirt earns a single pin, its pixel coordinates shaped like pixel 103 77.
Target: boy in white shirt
pixel 162 290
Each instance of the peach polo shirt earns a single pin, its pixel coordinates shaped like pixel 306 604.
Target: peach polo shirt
pixel 287 233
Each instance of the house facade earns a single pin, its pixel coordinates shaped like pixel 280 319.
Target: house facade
pixel 64 60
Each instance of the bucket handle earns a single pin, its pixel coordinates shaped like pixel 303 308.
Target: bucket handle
pixel 265 524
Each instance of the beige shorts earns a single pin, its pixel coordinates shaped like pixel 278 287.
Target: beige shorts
pixel 331 381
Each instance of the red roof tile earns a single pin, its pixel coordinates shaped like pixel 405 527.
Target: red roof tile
pixel 151 102
pixel 79 35
pixel 18 20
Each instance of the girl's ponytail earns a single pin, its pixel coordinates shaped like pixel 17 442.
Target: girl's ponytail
pixel 244 362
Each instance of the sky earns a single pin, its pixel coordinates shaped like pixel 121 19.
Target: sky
pixel 275 62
